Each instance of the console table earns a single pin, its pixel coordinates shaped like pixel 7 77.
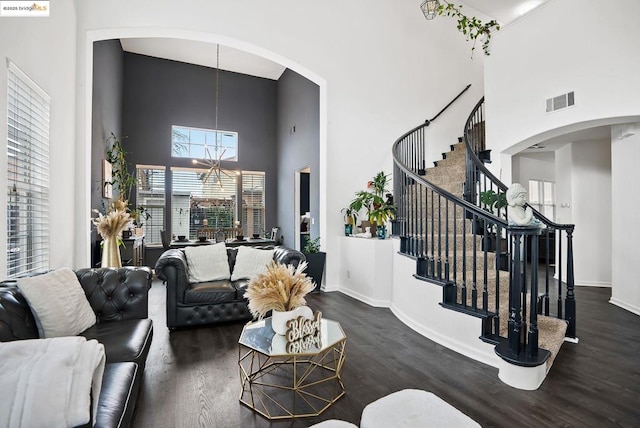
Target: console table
pixel 132 254
pixel 229 243
pixel 282 385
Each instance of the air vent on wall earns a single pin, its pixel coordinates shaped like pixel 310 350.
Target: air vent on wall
pixel 560 102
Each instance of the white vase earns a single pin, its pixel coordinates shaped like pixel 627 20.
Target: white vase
pixel 279 319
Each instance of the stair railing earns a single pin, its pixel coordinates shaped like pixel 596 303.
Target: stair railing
pixel 463 244
pixel 480 181
pixel 446 235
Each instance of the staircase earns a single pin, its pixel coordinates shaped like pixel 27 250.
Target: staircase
pixel 486 267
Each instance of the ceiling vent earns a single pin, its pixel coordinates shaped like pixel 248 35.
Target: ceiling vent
pixel 560 102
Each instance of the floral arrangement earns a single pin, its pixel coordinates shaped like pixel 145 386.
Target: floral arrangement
pixel 281 288
pixel 114 221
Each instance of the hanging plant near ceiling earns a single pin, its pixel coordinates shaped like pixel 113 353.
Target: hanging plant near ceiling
pixel 471 27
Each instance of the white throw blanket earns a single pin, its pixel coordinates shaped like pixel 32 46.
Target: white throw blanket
pixel 49 382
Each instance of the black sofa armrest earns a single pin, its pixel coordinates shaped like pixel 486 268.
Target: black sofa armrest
pixel 288 256
pixel 172 268
pixel 176 259
pixel 117 294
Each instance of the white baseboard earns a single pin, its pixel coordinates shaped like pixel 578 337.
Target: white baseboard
pixel 584 283
pixel 624 305
pixel 366 299
pixel 329 288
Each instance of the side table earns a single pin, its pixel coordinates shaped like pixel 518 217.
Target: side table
pixel 282 385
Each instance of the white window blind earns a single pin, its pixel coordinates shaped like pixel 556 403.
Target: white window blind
pixel 194 199
pixel 253 203
pixel 150 199
pixel 27 174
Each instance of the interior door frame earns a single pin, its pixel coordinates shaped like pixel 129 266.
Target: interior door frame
pixel 296 205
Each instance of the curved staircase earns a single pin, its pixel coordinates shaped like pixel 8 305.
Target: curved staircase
pixel 486 267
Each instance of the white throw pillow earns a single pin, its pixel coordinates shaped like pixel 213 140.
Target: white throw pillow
pixel 58 302
pixel 250 262
pixel 208 262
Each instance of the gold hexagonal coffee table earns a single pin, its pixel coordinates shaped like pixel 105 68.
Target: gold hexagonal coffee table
pixel 281 385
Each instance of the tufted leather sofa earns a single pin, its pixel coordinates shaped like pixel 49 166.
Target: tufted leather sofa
pixel 192 304
pixel 119 297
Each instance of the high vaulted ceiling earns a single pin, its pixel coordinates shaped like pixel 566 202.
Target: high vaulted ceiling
pixel 202 53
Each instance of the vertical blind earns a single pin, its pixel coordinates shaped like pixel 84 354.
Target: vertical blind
pixel 150 197
pixel 27 174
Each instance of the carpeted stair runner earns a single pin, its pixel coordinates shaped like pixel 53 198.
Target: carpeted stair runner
pixel 449 175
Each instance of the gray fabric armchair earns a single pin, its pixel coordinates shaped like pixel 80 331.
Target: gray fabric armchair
pixel 193 304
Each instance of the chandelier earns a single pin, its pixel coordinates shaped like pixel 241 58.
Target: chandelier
pixel 430 8
pixel 213 162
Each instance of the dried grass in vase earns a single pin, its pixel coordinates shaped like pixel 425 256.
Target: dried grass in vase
pixel 113 222
pixel 281 288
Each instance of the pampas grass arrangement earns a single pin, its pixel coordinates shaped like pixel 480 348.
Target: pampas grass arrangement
pixel 113 222
pixel 281 288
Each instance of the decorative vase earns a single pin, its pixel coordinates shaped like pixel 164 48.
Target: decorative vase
pixel 348 229
pixel 111 252
pixel 279 319
pixel 381 232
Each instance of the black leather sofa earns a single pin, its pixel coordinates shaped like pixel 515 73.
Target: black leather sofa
pixel 119 297
pixel 192 304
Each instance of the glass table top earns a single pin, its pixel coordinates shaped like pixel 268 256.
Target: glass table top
pixel 260 337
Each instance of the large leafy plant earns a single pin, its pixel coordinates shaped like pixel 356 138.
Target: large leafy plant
pixel 121 178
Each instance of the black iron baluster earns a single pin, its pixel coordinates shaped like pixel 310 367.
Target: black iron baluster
pixel 570 303
pixel 559 264
pixel 532 339
pixel 515 286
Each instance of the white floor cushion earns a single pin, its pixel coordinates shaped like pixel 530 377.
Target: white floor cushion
pixel 413 408
pixel 334 423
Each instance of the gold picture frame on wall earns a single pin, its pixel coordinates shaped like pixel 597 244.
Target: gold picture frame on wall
pixel 107 187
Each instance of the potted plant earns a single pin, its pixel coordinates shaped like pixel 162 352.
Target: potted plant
pixel 281 289
pixel 350 219
pixel 121 178
pixel 381 216
pixel 316 260
pixel 371 200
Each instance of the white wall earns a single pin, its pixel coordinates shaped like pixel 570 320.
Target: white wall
pixel 44 48
pixel 381 68
pixel 625 195
pixel 591 212
pixel 565 45
pixel 534 166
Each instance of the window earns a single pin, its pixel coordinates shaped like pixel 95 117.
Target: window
pixel 542 198
pixel 150 198
pixel 199 143
pixel 27 174
pixel 198 204
pixel 253 202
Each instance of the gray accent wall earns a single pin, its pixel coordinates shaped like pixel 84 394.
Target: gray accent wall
pixel 299 107
pixel 106 118
pixel 160 93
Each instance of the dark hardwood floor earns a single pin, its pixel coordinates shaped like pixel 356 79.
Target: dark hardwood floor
pixel 191 379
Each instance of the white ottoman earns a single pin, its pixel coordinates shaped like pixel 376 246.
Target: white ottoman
pixel 333 423
pixel 413 408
